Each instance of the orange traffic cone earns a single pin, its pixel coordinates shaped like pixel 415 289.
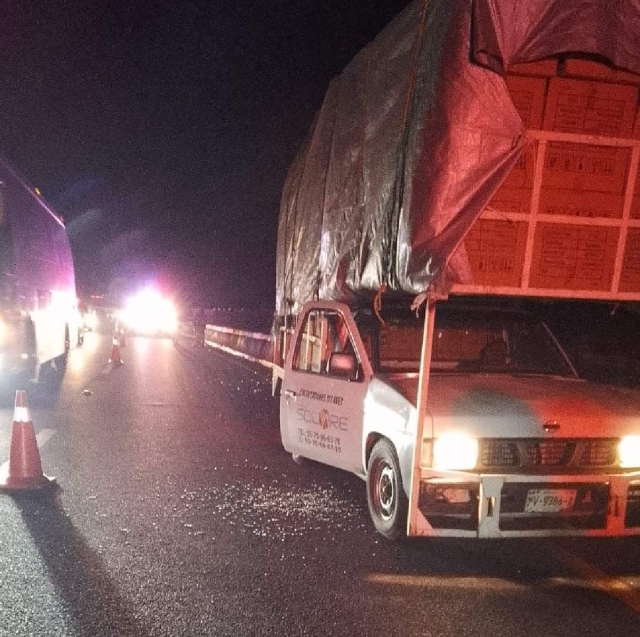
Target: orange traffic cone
pixel 120 335
pixel 115 359
pixel 25 468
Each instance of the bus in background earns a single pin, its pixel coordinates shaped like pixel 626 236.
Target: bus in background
pixel 39 318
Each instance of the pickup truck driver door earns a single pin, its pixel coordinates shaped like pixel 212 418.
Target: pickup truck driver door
pixel 323 390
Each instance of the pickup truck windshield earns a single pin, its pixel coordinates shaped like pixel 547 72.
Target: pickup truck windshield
pixel 475 342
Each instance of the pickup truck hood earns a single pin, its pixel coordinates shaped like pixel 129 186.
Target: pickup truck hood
pixel 501 405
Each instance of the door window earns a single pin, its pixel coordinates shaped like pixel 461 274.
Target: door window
pixel 325 333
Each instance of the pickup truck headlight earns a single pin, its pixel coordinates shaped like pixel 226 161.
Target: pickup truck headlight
pixel 629 450
pixel 455 451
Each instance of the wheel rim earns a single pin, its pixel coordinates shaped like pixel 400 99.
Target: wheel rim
pixel 386 491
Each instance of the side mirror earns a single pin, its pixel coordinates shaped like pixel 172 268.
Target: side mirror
pixel 343 365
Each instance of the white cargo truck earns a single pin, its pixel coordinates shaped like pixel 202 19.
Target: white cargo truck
pixel 474 153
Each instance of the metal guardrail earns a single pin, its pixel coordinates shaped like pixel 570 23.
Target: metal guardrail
pixel 253 346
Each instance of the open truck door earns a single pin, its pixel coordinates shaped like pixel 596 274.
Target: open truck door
pixel 323 389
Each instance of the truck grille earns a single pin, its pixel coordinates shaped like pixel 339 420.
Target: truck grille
pixel 549 453
pixel 599 453
pixel 499 453
pixel 531 454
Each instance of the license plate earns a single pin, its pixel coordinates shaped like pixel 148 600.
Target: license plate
pixel 549 500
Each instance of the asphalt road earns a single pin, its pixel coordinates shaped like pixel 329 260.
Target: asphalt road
pixel 178 513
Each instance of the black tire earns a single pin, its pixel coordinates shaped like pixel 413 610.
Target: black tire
pixel 388 503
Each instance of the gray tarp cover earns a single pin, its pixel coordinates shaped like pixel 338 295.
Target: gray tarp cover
pixel 415 136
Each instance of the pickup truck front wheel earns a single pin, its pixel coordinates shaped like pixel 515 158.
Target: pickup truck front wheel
pixel 388 504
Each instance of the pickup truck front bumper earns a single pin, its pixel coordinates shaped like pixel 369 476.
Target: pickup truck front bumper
pixel 506 505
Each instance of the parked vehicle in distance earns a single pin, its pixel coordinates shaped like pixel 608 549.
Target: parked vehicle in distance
pixel 39 317
pixel 89 317
pixel 148 313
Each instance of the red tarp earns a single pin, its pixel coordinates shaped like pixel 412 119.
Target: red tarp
pixel 415 136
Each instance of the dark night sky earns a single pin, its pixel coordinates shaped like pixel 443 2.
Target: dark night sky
pixel 163 130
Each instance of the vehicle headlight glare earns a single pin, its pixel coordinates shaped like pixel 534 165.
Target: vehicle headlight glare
pixel 629 450
pixel 91 320
pixel 455 451
pixel 150 313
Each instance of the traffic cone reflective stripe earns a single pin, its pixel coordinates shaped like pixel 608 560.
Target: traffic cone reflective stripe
pixel 21 411
pixel 25 468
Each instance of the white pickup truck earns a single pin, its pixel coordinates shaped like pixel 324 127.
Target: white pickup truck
pixel 511 442
pixel 456 156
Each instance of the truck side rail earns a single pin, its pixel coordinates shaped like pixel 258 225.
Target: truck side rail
pixel 622 229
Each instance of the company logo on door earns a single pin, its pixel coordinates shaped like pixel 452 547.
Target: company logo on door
pixel 324 419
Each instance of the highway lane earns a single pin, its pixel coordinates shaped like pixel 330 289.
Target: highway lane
pixel 178 513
